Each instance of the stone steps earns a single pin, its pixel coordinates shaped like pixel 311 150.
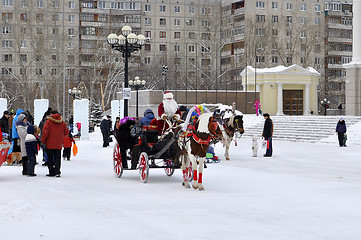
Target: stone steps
pixel 304 128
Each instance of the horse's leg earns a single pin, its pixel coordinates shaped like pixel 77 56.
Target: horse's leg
pixel 200 178
pixel 227 141
pixel 185 165
pixel 195 172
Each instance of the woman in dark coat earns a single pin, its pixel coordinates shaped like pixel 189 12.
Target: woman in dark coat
pixel 124 138
pixel 341 130
pixel 267 134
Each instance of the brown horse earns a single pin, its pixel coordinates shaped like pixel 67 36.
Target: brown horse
pixel 194 143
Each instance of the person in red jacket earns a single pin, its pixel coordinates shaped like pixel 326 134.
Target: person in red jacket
pixel 52 136
pixel 67 144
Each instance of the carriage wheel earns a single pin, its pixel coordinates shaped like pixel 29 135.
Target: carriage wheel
pixel 117 161
pixel 143 167
pixel 190 172
pixel 169 171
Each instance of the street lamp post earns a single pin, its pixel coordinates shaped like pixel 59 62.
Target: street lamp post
pixel 74 92
pixel 126 43
pixel 325 103
pixel 164 72
pixel 137 83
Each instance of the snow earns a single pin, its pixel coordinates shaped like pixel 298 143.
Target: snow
pixel 305 191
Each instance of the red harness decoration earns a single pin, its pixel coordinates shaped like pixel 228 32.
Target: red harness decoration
pixel 201 141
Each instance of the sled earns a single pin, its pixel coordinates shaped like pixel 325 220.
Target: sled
pixel 4 148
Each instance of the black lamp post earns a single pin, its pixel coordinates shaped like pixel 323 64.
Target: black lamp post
pixel 137 85
pixel 126 43
pixel 325 103
pixel 164 72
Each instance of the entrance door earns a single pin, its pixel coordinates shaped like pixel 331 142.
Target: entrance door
pixel 293 102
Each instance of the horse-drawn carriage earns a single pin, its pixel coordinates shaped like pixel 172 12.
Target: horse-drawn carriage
pixel 149 152
pixel 183 146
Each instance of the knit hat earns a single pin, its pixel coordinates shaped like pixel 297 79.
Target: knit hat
pixel 21 117
pixel 182 108
pixel 167 95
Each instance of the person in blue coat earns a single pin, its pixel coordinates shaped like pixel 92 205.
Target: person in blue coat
pixel 341 130
pixel 148 117
pixel 15 135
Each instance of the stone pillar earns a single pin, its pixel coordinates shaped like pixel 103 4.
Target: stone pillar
pixel 280 99
pixel 353 69
pixel 306 107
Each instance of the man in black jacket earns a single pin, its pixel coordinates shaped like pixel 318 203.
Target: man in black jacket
pixel 267 134
pixel 4 122
pixel 105 127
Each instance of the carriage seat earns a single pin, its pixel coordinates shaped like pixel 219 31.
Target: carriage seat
pixel 151 134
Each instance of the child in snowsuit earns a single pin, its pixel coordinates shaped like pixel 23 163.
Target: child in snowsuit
pixel 31 145
pixel 67 144
pixel 254 145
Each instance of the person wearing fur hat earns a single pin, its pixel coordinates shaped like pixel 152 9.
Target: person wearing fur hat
pixel 167 110
pixel 21 127
pixel 52 136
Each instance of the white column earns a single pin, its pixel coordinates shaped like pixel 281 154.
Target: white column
pixel 356 32
pixel 81 115
pixel 40 107
pixel 3 105
pixel 306 100
pixel 257 87
pixel 280 99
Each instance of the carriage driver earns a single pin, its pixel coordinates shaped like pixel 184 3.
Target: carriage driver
pixel 167 110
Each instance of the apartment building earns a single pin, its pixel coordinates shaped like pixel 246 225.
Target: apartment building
pixel 338 48
pixel 39 44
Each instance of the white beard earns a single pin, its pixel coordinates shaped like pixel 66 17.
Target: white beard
pixel 170 107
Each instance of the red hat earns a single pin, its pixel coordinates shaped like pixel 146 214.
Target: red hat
pixel 167 95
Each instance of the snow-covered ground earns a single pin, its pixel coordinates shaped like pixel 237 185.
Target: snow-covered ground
pixel 305 191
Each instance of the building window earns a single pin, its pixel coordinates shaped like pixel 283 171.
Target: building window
pixel 162 48
pixel 102 5
pixel 303 34
pixel 274 59
pixel 55 31
pixel 289 33
pixel 289 46
pixel 71 18
pixel 205 49
pixel 177 48
pixel 303 60
pixel 303 7
pixel 162 22
pixel 148 34
pixel 71 59
pixel 148 21
pixel 206 62
pixel 317 61
pixel 7 43
pixel 7 16
pixel 206 36
pixel 260 59
pixel 39 17
pixel 22 71
pixel 162 34
pixel 259 4
pixel 289 60
pixel 176 22
pixel 303 20
pixel 147 47
pixel 53 72
pixel 192 35
pixel 7 3
pixel 147 60
pixel 274 5
pixel 39 31
pixel 6 71
pixel 146 8
pixel 71 32
pixel 40 4
pixel 289 19
pixel 55 17
pixel 23 30
pixel 317 8
pixel 289 6
pixel 177 9
pixel 317 21
pixel 190 22
pixel 191 10
pixel 206 11
pixel 177 35
pixel 7 58
pixel 7 30
pixel 260 18
pixel 317 48
pixel 39 71
pixel 162 8
pixel 303 47
pixel 71 5
pixel 23 44
pixel 274 32
pixel 23 17
pixel 23 3
pixel 53 58
pixel 274 18
pixel 70 45
pixel 191 49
